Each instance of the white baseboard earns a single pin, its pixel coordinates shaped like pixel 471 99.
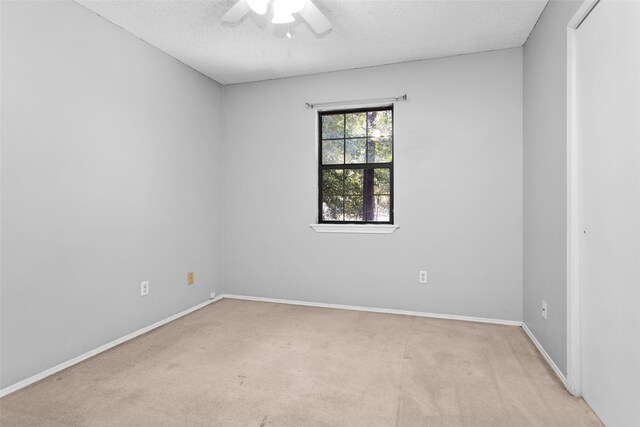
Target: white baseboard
pixel 42 375
pixel 379 310
pixel 24 383
pixel 545 355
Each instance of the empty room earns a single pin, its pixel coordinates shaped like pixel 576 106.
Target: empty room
pixel 320 213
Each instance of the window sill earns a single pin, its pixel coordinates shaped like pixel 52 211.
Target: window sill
pixel 355 228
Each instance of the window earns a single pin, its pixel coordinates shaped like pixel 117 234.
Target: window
pixel 356 166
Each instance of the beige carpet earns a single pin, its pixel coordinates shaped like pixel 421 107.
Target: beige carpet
pixel 241 363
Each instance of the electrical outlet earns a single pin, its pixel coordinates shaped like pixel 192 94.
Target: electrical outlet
pixel 545 313
pixel 144 288
pixel 190 278
pixel 212 295
pixel 422 276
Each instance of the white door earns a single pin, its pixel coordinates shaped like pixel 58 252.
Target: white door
pixel 608 132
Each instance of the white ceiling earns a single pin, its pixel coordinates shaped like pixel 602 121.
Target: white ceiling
pixel 365 33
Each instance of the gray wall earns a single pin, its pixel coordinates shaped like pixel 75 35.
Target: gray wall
pixel 545 180
pixel 111 174
pixel 458 184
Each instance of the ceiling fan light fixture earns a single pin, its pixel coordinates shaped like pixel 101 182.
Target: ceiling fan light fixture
pixel 281 14
pixel 258 6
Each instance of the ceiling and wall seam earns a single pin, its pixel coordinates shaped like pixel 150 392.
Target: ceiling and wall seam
pixel 149 43
pixel 391 64
pixel 534 25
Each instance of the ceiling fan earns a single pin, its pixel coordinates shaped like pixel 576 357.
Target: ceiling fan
pixel 283 11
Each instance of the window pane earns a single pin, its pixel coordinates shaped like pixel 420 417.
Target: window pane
pixel 353 182
pixel 383 150
pixel 353 208
pixel 382 208
pixel 382 181
pixel 332 182
pixel 379 150
pixel 332 152
pixel 380 124
pixel 356 125
pixel 332 208
pixel 356 149
pixel 333 126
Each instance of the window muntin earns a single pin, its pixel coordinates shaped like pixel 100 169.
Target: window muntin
pixel 356 166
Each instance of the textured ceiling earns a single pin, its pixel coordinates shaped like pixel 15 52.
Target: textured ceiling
pixel 365 33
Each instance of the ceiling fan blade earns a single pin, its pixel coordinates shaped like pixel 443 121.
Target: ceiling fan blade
pixel 315 18
pixel 237 12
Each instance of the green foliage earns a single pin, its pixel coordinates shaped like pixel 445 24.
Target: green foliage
pixel 333 208
pixel 382 149
pixel 380 133
pixel 380 124
pixel 382 208
pixel 381 181
pixel 353 208
pixel 353 182
pixel 343 194
pixel 333 182
pixel 356 150
pixel 356 125
pixel 332 152
pixel 333 126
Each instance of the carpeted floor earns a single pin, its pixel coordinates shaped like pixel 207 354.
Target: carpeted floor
pixel 242 363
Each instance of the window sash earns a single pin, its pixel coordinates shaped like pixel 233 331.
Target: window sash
pixel 355 166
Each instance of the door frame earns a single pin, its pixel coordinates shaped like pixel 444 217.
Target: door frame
pixel 574 359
